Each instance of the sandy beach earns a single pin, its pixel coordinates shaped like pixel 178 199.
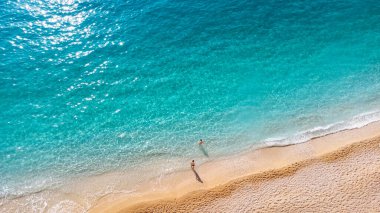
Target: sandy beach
pixel 335 173
pixel 103 104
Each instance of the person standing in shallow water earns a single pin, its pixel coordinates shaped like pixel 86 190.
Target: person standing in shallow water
pixel 200 142
pixel 192 164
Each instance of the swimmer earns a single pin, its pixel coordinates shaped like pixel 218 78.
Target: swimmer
pixel 200 142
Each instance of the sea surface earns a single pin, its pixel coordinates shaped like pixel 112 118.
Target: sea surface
pixel 89 87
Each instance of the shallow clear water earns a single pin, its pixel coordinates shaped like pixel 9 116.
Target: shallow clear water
pixel 88 87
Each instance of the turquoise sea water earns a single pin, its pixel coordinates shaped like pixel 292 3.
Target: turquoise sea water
pixel 88 87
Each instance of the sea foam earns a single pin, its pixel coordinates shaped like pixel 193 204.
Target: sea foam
pixel 353 123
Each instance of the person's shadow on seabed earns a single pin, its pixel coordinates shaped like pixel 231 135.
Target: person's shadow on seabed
pixel 203 150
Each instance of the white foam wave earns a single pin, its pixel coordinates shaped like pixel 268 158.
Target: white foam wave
pixel 357 121
pixel 66 206
pixel 38 204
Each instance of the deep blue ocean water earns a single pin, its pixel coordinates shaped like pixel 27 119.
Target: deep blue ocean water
pixel 88 87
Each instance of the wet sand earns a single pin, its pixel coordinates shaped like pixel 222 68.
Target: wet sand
pixel 336 173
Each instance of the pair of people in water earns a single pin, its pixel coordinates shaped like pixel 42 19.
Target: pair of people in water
pixel 200 142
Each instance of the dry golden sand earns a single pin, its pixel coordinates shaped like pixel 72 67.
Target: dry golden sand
pixel 336 173
pixel 347 180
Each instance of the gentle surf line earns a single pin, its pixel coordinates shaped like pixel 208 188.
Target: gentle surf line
pixel 223 171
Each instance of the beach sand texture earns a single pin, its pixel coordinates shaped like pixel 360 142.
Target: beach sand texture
pixel 344 177
pixel 347 180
